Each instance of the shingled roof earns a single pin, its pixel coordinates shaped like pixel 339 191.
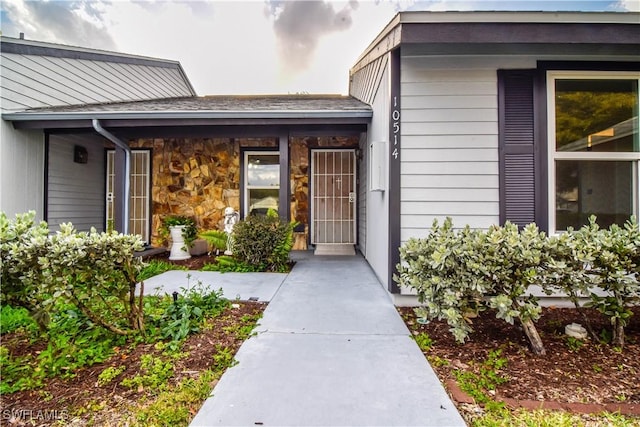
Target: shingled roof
pixel 219 103
pixel 205 111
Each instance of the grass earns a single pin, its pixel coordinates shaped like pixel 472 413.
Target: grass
pixel 542 418
pixel 155 267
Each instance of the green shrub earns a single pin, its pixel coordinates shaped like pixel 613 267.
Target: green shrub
pixel 216 239
pixel 264 241
pixel 436 268
pixel 459 273
pixel 606 258
pixel 96 272
pixel 22 244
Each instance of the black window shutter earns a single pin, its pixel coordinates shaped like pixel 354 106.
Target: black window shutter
pixel 517 146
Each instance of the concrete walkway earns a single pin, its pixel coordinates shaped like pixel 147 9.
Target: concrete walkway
pixel 331 350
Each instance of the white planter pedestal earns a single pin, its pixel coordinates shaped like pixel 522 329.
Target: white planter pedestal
pixel 178 251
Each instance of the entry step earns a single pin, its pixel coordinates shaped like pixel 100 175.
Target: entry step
pixel 334 249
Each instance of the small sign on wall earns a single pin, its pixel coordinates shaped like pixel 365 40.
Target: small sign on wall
pixel 80 154
pixel 377 165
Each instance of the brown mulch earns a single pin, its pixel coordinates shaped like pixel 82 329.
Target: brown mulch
pixel 107 405
pixel 196 262
pixel 590 378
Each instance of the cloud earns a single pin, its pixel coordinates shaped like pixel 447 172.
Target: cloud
pixel 299 26
pixel 630 5
pixel 78 23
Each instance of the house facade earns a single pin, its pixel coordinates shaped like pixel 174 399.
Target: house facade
pixel 493 116
pixel 482 116
pixel 37 170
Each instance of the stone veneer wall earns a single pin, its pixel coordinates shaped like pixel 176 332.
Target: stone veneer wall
pixel 195 177
pixel 200 177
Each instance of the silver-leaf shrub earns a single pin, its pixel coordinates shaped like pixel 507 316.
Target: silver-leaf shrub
pixel 458 273
pixel 94 271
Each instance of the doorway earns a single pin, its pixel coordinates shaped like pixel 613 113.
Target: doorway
pixel 333 196
pixel 139 202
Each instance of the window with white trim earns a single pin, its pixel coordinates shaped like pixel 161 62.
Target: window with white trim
pixel 594 150
pixel 261 181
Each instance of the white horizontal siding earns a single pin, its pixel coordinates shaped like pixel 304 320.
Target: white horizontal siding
pixel 447 208
pixel 444 115
pixel 76 191
pixel 449 128
pixel 448 168
pixel 449 101
pixel 449 142
pixel 450 194
pixel 450 181
pixel 460 156
pixel 420 227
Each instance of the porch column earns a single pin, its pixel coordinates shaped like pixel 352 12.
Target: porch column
pixel 284 201
pixel 119 191
pixel 122 172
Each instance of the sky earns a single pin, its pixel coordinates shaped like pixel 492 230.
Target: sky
pixel 245 47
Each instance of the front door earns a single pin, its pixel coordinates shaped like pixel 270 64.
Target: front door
pixel 333 210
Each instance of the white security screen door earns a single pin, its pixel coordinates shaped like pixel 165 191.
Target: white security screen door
pixel 139 188
pixel 333 176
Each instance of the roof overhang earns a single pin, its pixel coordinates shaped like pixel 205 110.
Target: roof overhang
pixel 204 113
pixel 513 33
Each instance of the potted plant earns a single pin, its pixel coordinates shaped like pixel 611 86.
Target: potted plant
pixel 183 232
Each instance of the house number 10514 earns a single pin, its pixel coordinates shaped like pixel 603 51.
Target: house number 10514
pixel 395 118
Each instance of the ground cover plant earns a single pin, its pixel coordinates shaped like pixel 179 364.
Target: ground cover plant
pixel 82 344
pixel 118 381
pixel 496 369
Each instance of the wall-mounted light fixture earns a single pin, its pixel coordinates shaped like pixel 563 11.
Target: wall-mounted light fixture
pixel 80 154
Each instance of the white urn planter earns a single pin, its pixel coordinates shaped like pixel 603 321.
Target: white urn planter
pixel 179 249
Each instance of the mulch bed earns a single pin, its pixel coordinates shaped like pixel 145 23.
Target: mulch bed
pixel 196 262
pixel 106 405
pixel 592 378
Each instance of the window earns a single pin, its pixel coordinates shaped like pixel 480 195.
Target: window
pixel 261 181
pixel 594 150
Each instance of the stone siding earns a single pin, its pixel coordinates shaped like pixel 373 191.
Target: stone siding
pixel 200 177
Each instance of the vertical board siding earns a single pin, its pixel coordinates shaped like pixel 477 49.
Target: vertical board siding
pixel 517 159
pixel 450 147
pixel 75 190
pixel 365 82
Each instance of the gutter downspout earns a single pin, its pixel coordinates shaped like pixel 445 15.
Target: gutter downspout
pixel 127 170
